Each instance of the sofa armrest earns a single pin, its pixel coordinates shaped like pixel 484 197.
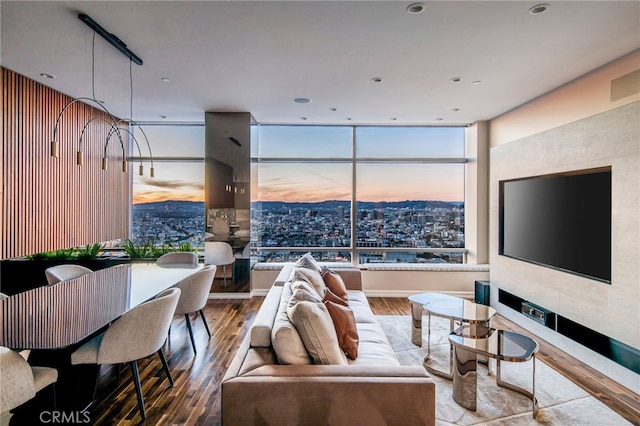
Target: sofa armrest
pixel 334 395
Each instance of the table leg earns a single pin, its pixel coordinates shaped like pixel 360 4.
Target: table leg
pixel 531 395
pixel 416 324
pixel 465 378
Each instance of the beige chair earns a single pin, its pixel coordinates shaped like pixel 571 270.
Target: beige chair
pixel 59 273
pixel 219 253
pixel 178 258
pixel 194 292
pixel 19 382
pixel 220 227
pixel 137 334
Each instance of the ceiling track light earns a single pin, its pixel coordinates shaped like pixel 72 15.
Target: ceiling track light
pixel 111 38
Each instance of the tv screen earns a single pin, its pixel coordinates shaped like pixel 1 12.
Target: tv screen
pixel 559 221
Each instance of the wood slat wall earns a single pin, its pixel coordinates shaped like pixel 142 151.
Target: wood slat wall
pixel 50 203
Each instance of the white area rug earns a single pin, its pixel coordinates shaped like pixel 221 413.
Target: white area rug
pixel 561 402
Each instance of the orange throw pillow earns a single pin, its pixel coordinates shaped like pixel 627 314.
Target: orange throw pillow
pixel 335 283
pixel 345 324
pixel 330 296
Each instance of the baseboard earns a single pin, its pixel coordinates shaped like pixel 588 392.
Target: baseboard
pixel 406 293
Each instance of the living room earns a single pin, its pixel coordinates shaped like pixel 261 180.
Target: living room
pixel 585 119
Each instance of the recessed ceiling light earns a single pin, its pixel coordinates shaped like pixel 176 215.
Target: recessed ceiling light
pixel 455 79
pixel 165 79
pixel 377 79
pixel 393 119
pixel 539 8
pixel 45 75
pixel 475 83
pixel 439 119
pixel 348 118
pixel 303 118
pixel 455 109
pixel 163 116
pixel 302 100
pixel 333 109
pixel 415 8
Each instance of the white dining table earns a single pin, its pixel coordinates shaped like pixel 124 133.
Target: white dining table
pixel 61 315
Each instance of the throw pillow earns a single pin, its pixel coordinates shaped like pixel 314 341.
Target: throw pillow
pixel 331 296
pixel 334 281
pixel 315 326
pixel 303 291
pixel 312 277
pixel 286 340
pixel 345 324
pixel 307 261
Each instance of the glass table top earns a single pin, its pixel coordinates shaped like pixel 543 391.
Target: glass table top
pixel 500 344
pixel 453 307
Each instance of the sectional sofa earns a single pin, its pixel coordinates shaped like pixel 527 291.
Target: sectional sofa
pixel 280 376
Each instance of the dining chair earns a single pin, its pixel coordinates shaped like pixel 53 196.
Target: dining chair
pixel 3 296
pixel 137 334
pixel 244 258
pixel 181 258
pixel 220 253
pixel 194 293
pixel 20 382
pixel 220 227
pixel 58 273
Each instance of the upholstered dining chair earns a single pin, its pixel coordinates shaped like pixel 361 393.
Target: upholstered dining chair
pixel 194 292
pixel 219 253
pixel 3 296
pixel 181 258
pixel 137 334
pixel 58 273
pixel 19 382
pixel 220 227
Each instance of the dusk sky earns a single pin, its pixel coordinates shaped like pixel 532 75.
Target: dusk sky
pixel 313 182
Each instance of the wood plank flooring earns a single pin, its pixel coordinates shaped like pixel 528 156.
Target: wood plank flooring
pixel 195 398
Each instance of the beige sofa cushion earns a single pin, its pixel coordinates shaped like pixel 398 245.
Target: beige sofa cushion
pixel 314 324
pixel 374 348
pixel 285 339
pixel 312 277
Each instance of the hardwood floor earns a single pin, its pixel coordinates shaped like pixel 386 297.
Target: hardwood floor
pixel 195 398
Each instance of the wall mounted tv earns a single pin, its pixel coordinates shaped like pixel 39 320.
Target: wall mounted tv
pixel 561 221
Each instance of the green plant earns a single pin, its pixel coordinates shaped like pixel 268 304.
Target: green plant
pixel 61 254
pixel 163 249
pixel 186 246
pixel 138 252
pixel 89 251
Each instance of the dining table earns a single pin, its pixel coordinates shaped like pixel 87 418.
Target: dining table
pixel 53 321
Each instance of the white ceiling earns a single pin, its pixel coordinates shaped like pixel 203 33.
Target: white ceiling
pixel 259 56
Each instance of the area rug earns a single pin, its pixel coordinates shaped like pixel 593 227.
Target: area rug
pixel 561 402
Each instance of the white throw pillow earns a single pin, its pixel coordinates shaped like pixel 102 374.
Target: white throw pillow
pixel 307 261
pixel 314 324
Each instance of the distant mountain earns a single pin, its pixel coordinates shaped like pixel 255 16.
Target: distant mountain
pixel 362 205
pixel 169 206
pixel 174 205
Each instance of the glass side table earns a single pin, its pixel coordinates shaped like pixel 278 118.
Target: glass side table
pixel 476 317
pixel 501 345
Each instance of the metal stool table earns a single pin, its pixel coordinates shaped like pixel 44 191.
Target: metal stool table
pixel 499 344
pixel 476 317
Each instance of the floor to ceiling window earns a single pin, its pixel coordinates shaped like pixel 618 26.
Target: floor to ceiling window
pixel 169 207
pixel 406 183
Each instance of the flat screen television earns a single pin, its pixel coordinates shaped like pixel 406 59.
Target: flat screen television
pixel 561 221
